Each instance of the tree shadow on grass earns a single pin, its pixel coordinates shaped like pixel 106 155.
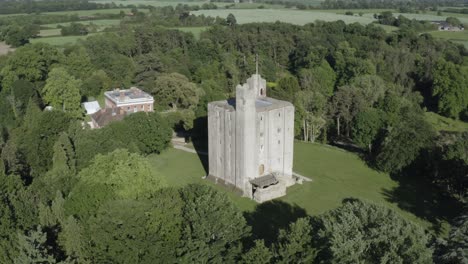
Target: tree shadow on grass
pixel 416 195
pixel 269 217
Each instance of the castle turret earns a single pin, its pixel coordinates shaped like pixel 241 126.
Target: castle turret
pixel 259 85
pixel 246 168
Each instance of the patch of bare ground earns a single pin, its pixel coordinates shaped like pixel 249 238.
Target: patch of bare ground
pixel 5 49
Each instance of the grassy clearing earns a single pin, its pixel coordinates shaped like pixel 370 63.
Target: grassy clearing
pixel 297 17
pixel 336 174
pixel 442 123
pixel 169 163
pixel 59 40
pixel 49 32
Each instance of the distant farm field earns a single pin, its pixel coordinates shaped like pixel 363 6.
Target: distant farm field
pixel 81 12
pixel 431 16
pixel 156 3
pixel 54 30
pixel 49 32
pixel 100 23
pixel 336 175
pixel 91 12
pixel 455 36
pixel 297 17
pixel 153 3
pixel 59 40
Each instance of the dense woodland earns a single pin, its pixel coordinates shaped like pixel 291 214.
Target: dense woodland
pixel 16 7
pixel 75 195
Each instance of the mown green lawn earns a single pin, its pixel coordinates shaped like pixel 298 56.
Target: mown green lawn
pixel 181 168
pixel 336 175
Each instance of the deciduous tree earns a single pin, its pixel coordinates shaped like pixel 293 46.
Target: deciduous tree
pixel 366 127
pixel 450 88
pixel 62 92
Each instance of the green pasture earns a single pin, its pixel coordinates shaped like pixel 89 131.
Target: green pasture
pixel 81 12
pixel 455 36
pixel 432 16
pixel 99 23
pixel 154 3
pixel 49 32
pixel 336 175
pixel 91 12
pixel 298 17
pixel 441 123
pixel 190 3
pixel 59 40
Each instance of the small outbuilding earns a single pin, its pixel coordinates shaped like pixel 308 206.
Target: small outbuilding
pixel 91 107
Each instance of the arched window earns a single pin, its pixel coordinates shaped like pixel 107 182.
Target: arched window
pixel 261 169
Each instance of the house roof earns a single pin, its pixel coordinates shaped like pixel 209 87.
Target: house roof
pixel 107 115
pixel 264 181
pixel 132 95
pixel 91 107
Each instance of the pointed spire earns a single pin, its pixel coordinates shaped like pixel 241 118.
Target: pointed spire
pixel 256 64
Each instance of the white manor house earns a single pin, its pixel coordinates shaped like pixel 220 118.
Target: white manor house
pixel 250 142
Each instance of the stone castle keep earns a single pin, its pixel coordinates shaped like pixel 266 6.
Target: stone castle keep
pixel 250 141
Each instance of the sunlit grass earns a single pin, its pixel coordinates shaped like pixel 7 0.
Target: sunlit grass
pixel 336 175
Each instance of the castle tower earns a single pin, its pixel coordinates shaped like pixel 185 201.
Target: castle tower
pixel 250 142
pixel 246 168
